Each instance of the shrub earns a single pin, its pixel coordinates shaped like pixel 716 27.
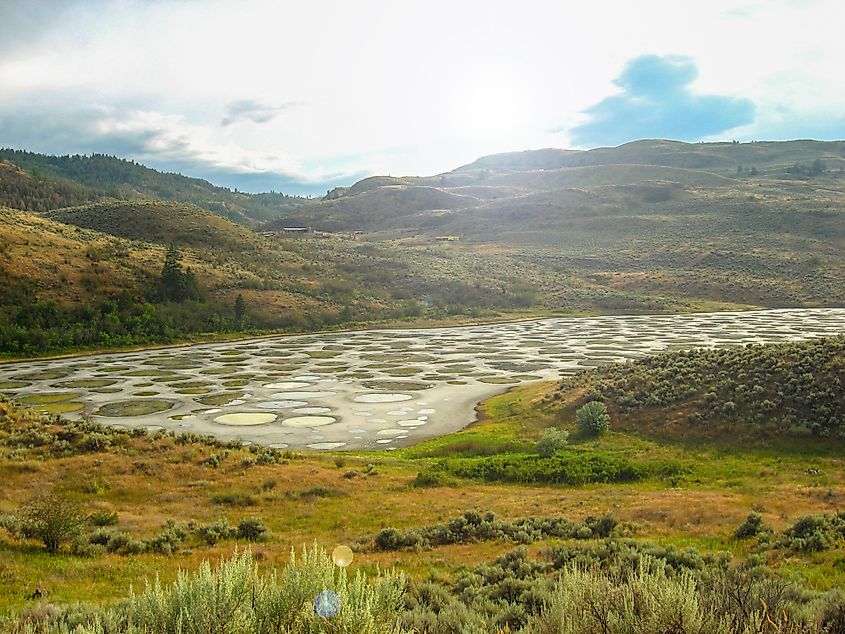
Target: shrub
pixel 751 527
pixel 100 537
pixel 815 532
pixel 53 519
pixel 167 541
pixel 389 539
pixel 552 441
pixel 234 498
pixel 82 547
pixel 117 541
pixel 11 524
pixel 238 595
pixel 433 478
pixel 475 526
pixel 103 518
pixel 253 530
pixel 214 460
pixel 269 485
pixel 216 531
pixel 592 419
pixel 134 547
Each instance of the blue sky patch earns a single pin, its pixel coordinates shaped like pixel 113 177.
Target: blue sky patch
pixel 657 102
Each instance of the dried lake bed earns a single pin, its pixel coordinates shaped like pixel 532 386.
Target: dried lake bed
pixel 374 389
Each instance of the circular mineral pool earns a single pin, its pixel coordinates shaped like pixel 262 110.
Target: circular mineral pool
pixel 396 385
pixel 287 385
pixel 65 407
pixel 140 407
pixel 382 398
pixel 87 383
pixel 300 395
pixel 281 404
pixel 308 421
pixel 245 418
pixel 13 385
pixel 390 432
pixel 313 410
pixel 46 398
pixel 326 445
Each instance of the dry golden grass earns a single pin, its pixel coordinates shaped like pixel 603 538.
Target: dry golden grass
pixel 152 481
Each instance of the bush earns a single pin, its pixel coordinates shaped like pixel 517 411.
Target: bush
pixel 592 419
pixel 53 519
pixel 751 527
pixel 117 541
pixel 218 530
pixel 103 518
pixel 253 530
pixel 389 539
pixel 167 541
pixel 571 468
pixel 815 532
pixel 475 526
pixel 238 595
pixel 11 524
pixel 552 441
pixel 234 498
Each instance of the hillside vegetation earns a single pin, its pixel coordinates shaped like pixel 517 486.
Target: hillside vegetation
pixel 753 392
pixel 636 227
pixel 38 182
pixel 159 223
pixel 717 157
pixel 647 227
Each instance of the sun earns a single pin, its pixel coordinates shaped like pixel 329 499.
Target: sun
pixel 491 108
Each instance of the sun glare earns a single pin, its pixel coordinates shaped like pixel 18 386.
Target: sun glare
pixel 492 107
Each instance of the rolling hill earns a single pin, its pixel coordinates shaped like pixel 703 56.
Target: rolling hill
pixel 637 228
pixel 159 222
pixel 751 223
pixel 752 393
pixel 38 182
pixel 716 157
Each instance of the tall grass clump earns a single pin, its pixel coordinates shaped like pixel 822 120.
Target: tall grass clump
pixel 237 598
pixel 654 599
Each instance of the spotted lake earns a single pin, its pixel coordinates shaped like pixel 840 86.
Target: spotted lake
pixel 376 389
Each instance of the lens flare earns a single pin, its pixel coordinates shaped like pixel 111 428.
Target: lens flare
pixel 342 556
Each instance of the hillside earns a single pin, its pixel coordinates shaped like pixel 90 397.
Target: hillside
pixel 609 236
pixel 750 393
pixel 38 182
pixel 753 223
pixel 43 257
pixel 377 208
pixel 159 222
pixel 769 156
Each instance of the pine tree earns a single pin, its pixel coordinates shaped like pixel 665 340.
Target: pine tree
pixel 172 280
pixel 240 311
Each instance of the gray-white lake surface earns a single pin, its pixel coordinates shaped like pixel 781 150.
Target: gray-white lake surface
pixel 375 389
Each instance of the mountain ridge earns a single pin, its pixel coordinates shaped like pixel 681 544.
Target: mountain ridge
pixel 40 182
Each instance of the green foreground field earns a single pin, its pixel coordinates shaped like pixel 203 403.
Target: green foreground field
pixel 330 499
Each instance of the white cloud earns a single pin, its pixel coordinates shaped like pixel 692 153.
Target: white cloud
pixel 396 87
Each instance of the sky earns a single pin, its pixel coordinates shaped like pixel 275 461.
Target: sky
pixel 303 96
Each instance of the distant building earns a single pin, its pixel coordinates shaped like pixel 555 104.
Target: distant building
pixel 447 238
pixel 301 230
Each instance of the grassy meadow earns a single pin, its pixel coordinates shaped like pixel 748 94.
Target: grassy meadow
pixel 154 483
